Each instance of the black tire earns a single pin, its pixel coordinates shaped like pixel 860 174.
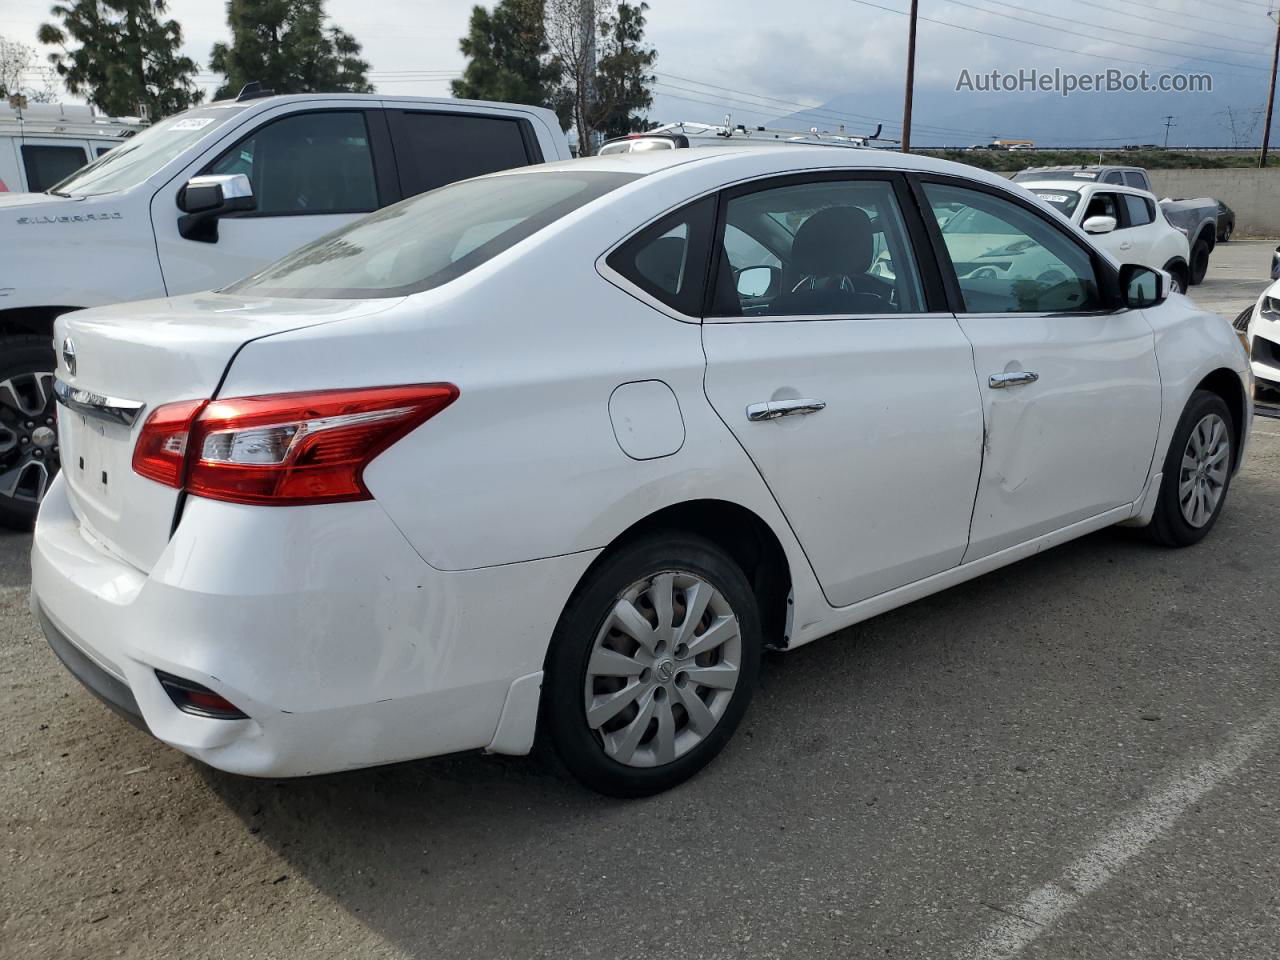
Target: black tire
pixel 22 359
pixel 1168 525
pixel 1199 261
pixel 1179 273
pixel 1225 235
pixel 564 720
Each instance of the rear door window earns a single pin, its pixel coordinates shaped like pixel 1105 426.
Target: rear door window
pixel 433 149
pixel 307 163
pixel 46 164
pixel 1140 209
pixel 1134 179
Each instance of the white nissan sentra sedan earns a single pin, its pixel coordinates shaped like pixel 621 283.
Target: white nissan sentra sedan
pixel 562 450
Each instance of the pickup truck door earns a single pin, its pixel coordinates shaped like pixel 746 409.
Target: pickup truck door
pixel 845 378
pixel 1070 387
pixel 312 171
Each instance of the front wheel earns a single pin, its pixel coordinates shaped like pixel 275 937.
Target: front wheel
pixel 1197 472
pixel 652 665
pixel 28 428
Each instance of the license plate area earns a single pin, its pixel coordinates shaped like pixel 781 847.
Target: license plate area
pixel 96 458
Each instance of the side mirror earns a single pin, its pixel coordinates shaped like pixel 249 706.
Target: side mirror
pixel 1142 287
pixel 755 282
pixel 204 199
pixel 1099 225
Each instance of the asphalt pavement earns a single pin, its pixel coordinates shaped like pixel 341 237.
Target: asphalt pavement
pixel 1077 756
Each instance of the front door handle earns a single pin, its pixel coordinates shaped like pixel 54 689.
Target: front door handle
pixel 1018 378
pixel 1127 245
pixel 783 408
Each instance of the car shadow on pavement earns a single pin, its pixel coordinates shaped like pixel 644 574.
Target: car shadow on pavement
pixel 427 854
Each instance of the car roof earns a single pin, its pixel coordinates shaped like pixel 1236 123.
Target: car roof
pixel 756 160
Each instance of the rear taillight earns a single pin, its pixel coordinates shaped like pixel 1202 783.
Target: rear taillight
pixel 162 446
pixel 283 450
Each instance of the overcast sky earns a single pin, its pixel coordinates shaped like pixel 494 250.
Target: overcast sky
pixel 763 58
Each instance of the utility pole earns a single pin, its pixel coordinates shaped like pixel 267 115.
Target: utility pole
pixel 1271 97
pixel 911 77
pixel 1168 122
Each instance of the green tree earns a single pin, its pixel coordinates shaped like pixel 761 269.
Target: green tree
pixel 598 48
pixel 118 54
pixel 286 45
pixel 623 79
pixel 506 53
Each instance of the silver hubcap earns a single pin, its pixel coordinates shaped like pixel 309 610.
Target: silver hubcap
pixel 663 669
pixel 1203 477
pixel 28 437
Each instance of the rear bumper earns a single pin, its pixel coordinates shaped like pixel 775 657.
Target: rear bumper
pixel 107 687
pixel 321 624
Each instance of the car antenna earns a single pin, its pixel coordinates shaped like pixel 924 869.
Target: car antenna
pixel 252 91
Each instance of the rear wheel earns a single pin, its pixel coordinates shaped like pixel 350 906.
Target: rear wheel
pixel 28 428
pixel 652 665
pixel 1226 233
pixel 1199 261
pixel 1197 472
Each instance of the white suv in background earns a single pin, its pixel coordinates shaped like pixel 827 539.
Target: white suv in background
pixel 1124 221
pixel 205 197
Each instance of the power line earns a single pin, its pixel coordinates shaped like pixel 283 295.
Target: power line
pixel 1094 37
pixel 1030 43
pixel 1170 13
pixel 1257 52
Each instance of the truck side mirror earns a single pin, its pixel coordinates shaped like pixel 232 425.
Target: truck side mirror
pixel 204 199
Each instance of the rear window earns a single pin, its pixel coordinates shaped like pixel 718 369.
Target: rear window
pixel 428 240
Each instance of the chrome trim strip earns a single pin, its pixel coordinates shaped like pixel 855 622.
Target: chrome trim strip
pixel 111 409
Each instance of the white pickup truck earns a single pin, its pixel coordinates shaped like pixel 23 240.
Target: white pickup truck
pixel 205 197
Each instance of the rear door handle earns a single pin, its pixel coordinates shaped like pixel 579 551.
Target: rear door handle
pixel 1127 245
pixel 1018 378
pixel 783 408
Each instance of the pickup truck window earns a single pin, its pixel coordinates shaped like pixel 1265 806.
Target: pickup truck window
pixel 145 153
pixel 433 149
pixel 428 240
pixel 316 162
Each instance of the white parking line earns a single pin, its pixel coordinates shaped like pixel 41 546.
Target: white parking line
pixel 1026 922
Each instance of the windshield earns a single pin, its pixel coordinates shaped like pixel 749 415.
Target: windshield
pixel 429 239
pixel 1066 201
pixel 143 154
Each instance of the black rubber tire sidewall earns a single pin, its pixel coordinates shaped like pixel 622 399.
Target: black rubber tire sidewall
pixel 1199 262
pixel 563 721
pixel 1168 526
pixel 28 353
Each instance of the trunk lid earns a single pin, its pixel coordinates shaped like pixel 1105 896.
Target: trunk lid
pixel 138 356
